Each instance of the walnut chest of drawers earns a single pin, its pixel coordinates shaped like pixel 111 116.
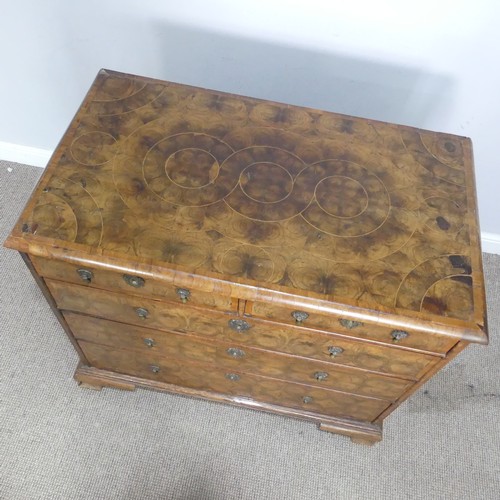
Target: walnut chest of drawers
pixel 281 258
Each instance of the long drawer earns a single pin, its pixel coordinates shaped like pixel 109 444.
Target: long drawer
pixel 203 377
pixel 226 327
pixel 338 324
pixel 235 356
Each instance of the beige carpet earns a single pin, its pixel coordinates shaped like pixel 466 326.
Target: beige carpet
pixel 59 441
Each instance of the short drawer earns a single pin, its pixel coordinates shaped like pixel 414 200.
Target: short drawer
pixel 129 283
pixel 231 328
pixel 235 356
pixel 202 377
pixel 336 324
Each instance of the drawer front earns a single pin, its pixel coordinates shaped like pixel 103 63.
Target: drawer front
pixel 129 283
pixel 202 377
pixel 235 356
pixel 336 324
pixel 261 334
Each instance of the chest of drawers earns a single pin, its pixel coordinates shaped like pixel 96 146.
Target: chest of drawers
pixel 280 258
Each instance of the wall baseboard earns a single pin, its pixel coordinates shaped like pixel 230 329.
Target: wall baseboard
pixel 24 154
pixel 490 242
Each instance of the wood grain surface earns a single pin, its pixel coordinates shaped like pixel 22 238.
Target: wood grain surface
pixel 111 280
pixel 271 256
pixel 235 356
pixel 235 383
pixel 367 330
pixel 358 212
pixel 262 334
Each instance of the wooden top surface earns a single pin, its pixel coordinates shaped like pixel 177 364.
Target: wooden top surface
pixel 358 212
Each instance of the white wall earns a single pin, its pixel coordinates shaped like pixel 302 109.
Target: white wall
pixel 432 64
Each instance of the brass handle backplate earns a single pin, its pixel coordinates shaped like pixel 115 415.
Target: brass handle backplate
pixel 135 281
pixel 142 312
pixel 149 342
pixel 321 376
pixel 398 335
pixel 86 275
pixel 349 323
pixel 299 316
pixel 335 351
pixel 183 294
pixel 234 352
pixel 239 325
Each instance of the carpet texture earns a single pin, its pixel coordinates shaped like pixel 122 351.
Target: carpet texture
pixel 59 441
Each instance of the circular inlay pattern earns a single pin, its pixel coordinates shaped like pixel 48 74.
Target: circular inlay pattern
pixel 442 156
pixel 452 294
pixel 54 216
pixel 192 168
pixel 268 174
pixel 266 182
pixel 181 179
pixel 67 210
pixel 441 285
pixel 341 196
pixel 350 199
pixel 113 88
pixel 120 95
pixel 194 180
pixel 93 148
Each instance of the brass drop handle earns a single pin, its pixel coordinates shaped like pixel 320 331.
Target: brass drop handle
pixel 149 342
pixel 183 294
pixel 234 377
pixel 239 325
pixel 135 281
pixel 335 351
pixel 299 316
pixel 350 323
pixel 85 275
pixel 398 335
pixel 154 368
pixel 234 352
pixel 321 376
pixel 142 312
